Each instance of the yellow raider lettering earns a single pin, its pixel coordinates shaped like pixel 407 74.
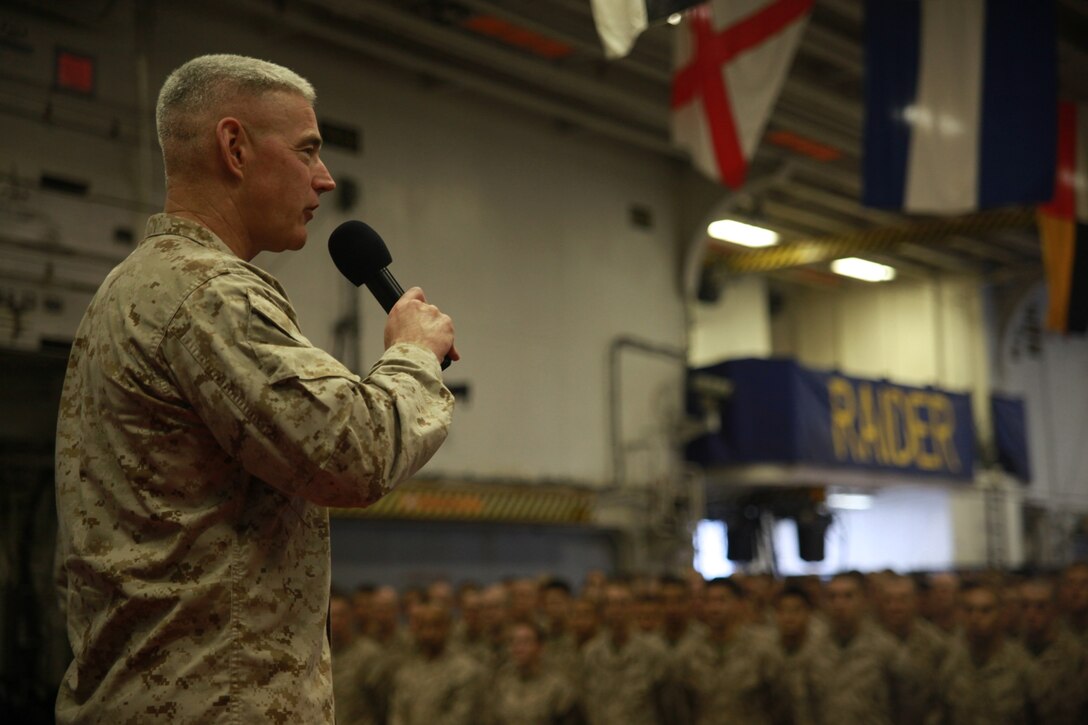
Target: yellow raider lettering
pixel 943 423
pixel 925 456
pixel 869 426
pixel 893 403
pixel 844 434
pixel 892 426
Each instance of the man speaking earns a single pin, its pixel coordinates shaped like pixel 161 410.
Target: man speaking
pixel 201 435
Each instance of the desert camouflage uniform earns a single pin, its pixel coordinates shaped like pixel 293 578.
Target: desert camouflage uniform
pixel 738 681
pixel 1058 681
pixel 359 685
pixel 478 647
pixel 542 699
pixel 561 656
pixel 818 625
pixel 995 693
pixel 446 690
pixel 926 648
pixel 393 652
pixel 496 657
pixel 398 645
pixel 488 651
pixel 694 632
pixel 802 669
pixel 1080 634
pixel 200 438
pixel 678 701
pixel 863 678
pixel 623 685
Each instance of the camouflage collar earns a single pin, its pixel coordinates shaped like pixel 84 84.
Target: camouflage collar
pixel 161 224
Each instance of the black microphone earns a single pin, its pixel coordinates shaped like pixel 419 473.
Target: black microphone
pixel 360 254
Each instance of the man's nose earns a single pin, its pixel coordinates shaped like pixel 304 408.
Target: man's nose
pixel 323 179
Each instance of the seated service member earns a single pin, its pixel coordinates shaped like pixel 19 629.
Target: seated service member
pixel 201 435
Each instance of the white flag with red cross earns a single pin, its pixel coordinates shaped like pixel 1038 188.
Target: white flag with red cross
pixel 731 59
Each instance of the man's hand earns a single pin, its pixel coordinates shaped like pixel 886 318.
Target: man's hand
pixel 412 319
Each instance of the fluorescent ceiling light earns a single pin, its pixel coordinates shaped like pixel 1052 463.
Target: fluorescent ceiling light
pixel 748 235
pixel 863 269
pixel 850 501
pixel 675 19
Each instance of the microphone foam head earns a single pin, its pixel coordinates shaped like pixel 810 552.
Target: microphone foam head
pixel 358 251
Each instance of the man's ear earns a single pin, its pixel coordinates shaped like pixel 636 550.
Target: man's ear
pixel 233 145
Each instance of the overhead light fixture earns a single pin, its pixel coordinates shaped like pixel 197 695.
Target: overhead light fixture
pixel 863 269
pixel 675 19
pixel 748 235
pixel 850 501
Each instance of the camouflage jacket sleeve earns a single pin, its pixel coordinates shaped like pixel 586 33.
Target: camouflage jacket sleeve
pixel 294 416
pixel 469 690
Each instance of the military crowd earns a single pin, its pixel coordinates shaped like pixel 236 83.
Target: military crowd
pixel 876 648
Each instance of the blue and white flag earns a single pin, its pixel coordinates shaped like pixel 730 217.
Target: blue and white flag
pixel 961 104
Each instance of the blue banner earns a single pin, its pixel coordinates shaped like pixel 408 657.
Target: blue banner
pixel 1011 435
pixel 781 412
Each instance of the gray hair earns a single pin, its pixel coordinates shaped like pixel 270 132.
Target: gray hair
pixel 205 83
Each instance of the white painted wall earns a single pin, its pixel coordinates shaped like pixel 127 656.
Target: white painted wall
pixel 518 229
pixel 738 325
